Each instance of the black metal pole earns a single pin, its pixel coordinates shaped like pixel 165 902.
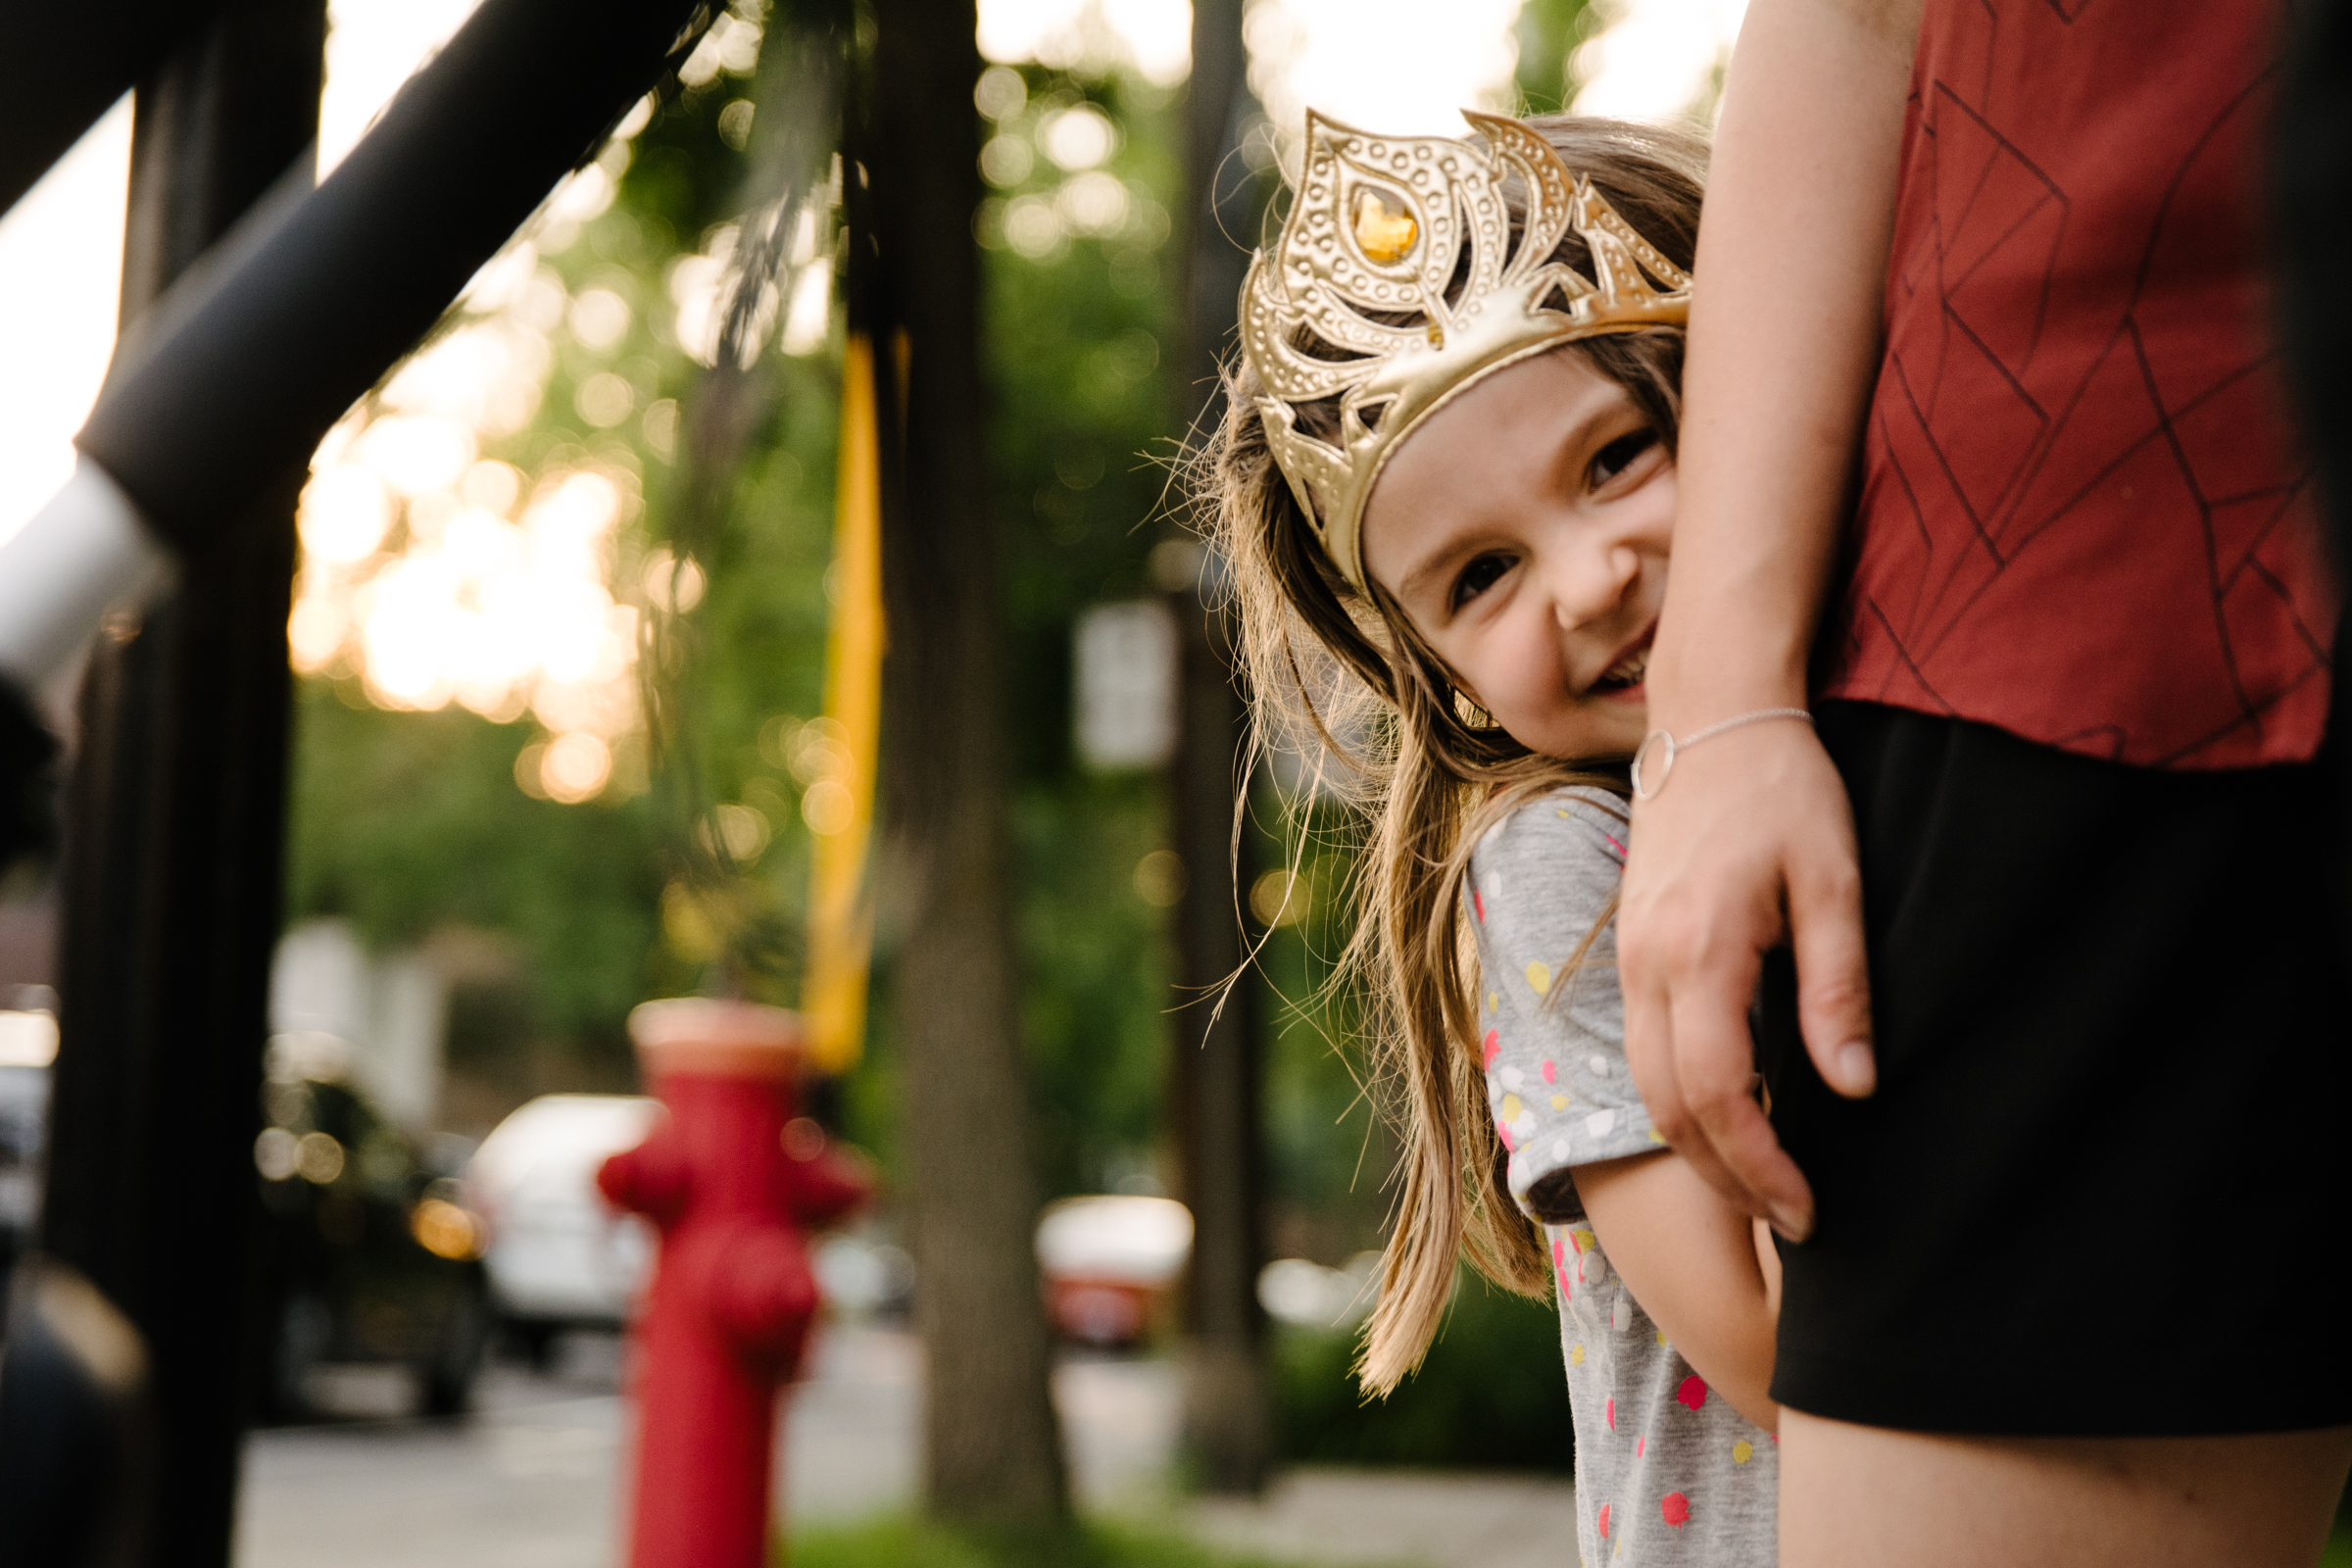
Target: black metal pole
pixel 58 75
pixel 240 372
pixel 173 826
pixel 1227 1411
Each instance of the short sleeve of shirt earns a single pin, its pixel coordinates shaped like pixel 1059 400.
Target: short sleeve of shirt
pixel 1552 1024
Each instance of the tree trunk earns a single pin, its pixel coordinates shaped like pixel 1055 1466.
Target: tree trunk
pixel 944 883
pixel 1228 1423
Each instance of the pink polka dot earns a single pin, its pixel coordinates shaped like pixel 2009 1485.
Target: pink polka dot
pixel 1612 1413
pixel 1559 1249
pixel 1480 905
pixel 1504 1132
pixel 1693 1391
pixel 1640 1446
pixel 1551 1072
pixel 1676 1509
pixel 1494 1045
pixel 1603 1521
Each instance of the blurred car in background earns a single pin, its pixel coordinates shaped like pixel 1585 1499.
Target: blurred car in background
pixel 862 1276
pixel 1108 1264
pixel 370 1255
pixel 28 1045
pixel 559 1256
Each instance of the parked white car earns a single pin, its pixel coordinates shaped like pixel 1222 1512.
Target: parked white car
pixel 1109 1263
pixel 559 1256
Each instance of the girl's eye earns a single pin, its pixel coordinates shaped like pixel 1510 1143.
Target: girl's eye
pixel 1476 577
pixel 1621 454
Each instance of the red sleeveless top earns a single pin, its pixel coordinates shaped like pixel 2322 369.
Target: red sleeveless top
pixel 2083 516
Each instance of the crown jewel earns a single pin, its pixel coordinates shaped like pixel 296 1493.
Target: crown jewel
pixel 1359 300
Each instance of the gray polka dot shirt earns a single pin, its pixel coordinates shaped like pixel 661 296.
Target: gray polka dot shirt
pixel 1666 1473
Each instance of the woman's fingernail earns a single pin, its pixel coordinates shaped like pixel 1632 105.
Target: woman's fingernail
pixel 1790 1224
pixel 1858 1068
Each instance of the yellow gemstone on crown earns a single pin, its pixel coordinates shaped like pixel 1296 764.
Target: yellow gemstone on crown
pixel 1385 235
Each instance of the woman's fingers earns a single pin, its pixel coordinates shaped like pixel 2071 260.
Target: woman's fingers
pixel 1649 1051
pixel 1832 967
pixel 1751 847
pixel 1715 1067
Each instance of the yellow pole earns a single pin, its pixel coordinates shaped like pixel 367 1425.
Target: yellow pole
pixel 841 914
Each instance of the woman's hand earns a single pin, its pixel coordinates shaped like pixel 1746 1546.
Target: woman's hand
pixel 1750 845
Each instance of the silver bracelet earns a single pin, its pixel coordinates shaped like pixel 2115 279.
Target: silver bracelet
pixel 1674 747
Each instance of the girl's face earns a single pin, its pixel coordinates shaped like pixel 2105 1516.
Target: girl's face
pixel 1524 528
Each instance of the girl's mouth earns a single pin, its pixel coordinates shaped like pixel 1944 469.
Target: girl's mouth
pixel 1626 675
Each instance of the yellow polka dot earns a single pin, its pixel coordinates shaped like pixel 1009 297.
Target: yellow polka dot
pixel 1494 1002
pixel 1539 977
pixel 1585 1240
pixel 1576 1356
pixel 1656 1137
pixel 1559 1101
pixel 1662 1344
pixel 1511 1108
pixel 1743 1451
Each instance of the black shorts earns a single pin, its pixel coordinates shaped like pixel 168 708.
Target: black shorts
pixel 2105 1185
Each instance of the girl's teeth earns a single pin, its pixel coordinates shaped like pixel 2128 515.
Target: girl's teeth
pixel 1628 672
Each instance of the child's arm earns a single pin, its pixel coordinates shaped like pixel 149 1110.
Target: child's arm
pixel 1752 844
pixel 1692 1260
pixel 1582 1145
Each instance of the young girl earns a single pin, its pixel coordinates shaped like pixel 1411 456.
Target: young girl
pixel 1445 484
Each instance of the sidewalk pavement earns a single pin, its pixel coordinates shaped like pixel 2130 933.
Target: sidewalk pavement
pixel 1431 1518
pixel 534 1480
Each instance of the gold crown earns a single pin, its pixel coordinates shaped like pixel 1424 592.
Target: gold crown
pixel 1358 298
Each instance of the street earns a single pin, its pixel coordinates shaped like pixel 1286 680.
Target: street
pixel 529 1480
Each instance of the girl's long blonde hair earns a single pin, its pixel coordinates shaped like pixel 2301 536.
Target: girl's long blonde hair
pixel 1343 677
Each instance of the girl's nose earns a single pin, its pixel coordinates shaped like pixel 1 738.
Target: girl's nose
pixel 1591 581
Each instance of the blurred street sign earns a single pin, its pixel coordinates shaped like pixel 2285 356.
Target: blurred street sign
pixel 1126 657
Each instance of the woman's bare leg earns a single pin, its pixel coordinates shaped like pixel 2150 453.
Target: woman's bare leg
pixel 1857 1496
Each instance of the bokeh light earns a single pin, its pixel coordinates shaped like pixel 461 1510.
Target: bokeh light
pixel 1397 65
pixel 1656 58
pixel 433 574
pixel 1154 37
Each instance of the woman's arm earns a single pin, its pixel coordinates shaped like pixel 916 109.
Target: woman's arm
pixel 1752 844
pixel 1690 1259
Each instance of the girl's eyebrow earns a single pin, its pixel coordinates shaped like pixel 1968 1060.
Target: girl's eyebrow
pixel 1577 438
pixel 1582 437
pixel 1572 440
pixel 1440 564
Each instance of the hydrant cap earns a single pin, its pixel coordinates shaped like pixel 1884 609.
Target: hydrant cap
pixel 729 1039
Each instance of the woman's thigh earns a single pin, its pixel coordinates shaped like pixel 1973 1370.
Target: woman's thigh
pixel 2114 1020
pixel 1855 1497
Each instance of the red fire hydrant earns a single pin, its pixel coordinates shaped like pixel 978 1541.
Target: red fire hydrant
pixel 731 1181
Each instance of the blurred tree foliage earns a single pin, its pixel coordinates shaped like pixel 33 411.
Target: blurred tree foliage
pixel 1492 1392
pixel 1547 33
pixel 412 827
